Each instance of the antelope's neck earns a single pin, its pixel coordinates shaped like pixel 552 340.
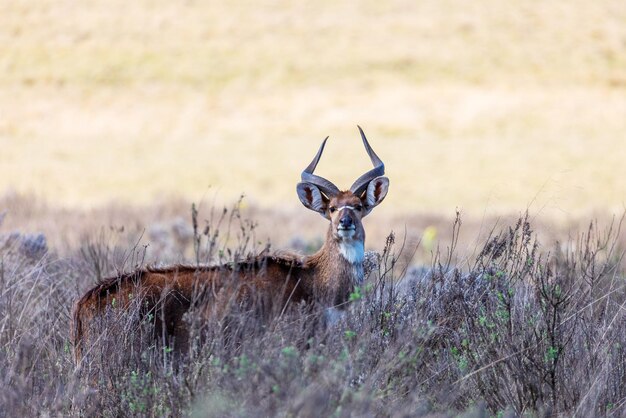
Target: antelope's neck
pixel 339 268
pixel 352 251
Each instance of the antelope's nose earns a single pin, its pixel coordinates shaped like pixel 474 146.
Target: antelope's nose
pixel 346 222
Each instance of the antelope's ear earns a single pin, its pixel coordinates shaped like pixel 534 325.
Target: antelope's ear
pixel 312 198
pixel 376 191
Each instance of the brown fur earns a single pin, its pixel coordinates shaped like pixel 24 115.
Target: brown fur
pixel 269 284
pixel 168 293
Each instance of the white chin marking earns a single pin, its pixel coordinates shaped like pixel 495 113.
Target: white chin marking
pixel 352 251
pixel 346 233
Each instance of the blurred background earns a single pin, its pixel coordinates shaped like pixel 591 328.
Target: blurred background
pixel 489 107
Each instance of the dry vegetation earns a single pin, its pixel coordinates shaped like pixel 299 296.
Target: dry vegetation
pixel 512 327
pixel 486 106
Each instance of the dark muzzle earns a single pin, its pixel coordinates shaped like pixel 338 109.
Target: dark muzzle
pixel 346 223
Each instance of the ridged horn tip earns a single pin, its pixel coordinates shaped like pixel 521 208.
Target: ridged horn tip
pixel 325 186
pixel 311 168
pixel 361 183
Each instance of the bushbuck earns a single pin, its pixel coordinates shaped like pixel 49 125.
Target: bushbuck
pixel 270 283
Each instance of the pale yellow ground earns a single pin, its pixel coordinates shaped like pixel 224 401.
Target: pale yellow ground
pixel 488 106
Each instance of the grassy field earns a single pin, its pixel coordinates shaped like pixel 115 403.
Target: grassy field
pixel 488 106
pixel 510 327
pixel 115 116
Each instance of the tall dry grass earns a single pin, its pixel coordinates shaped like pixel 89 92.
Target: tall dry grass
pixel 516 327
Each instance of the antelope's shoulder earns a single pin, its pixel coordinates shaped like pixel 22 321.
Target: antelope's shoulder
pixel 286 258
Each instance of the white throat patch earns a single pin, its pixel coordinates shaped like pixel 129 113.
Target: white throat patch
pixel 352 251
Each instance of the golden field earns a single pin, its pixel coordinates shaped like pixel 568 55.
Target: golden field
pixel 486 106
pixel 115 116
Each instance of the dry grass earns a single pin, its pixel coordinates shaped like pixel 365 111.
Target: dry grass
pixel 164 225
pixel 486 107
pixel 515 326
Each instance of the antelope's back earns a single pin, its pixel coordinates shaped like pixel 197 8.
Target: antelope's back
pixel 120 305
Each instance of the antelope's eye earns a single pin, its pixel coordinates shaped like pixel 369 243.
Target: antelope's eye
pixel 358 207
pixel 332 209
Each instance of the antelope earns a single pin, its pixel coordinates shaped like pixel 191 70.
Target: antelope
pixel 325 278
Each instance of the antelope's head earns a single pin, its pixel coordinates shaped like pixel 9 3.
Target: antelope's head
pixel 344 209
